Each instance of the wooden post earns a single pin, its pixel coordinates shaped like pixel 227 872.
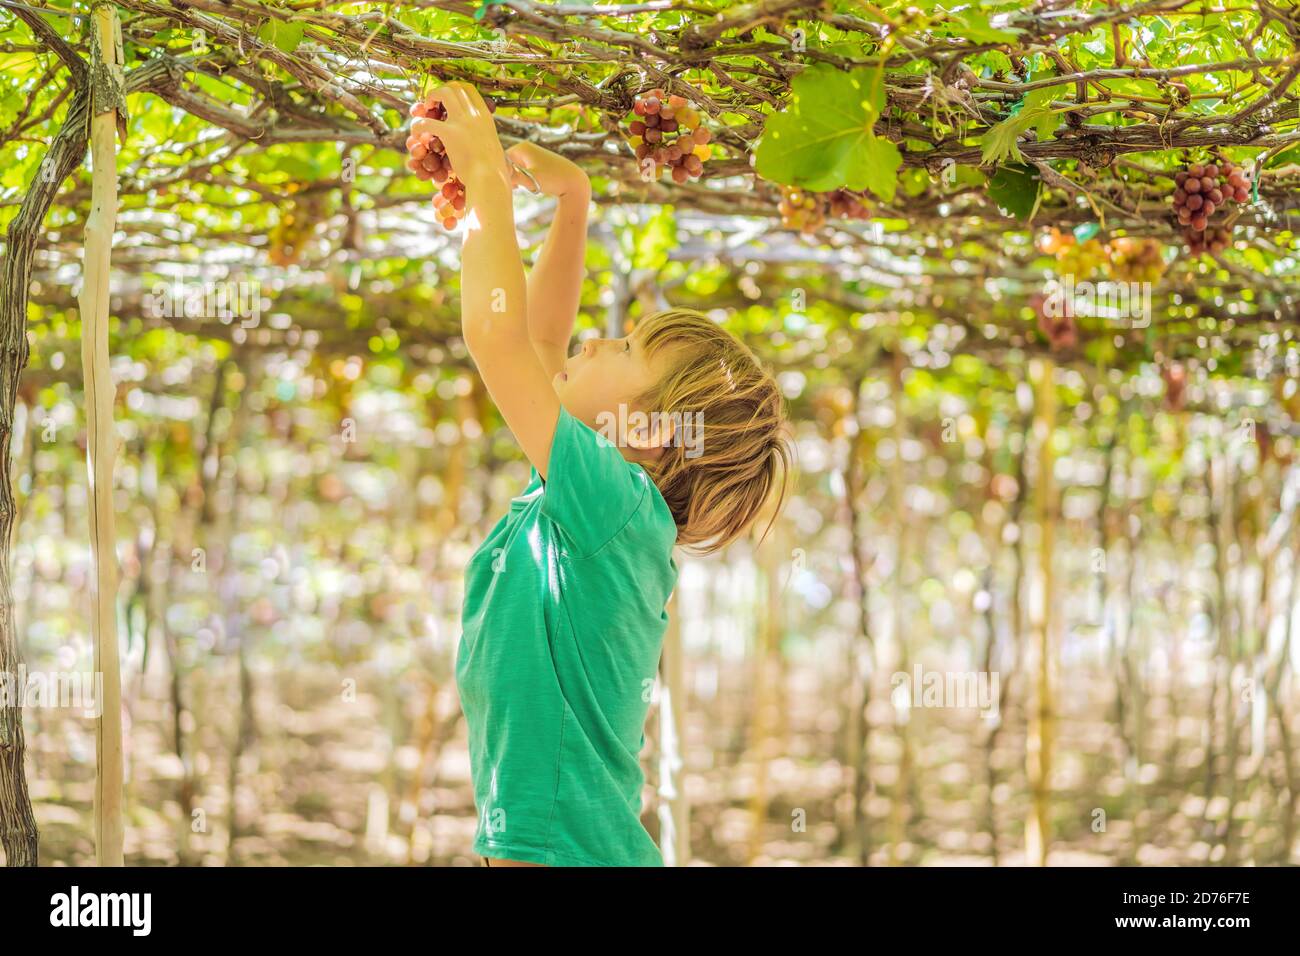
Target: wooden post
pixel 1038 745
pixel 767 646
pixel 861 660
pixel 899 808
pixel 674 809
pixel 106 100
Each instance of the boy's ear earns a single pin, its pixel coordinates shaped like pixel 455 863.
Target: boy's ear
pixel 658 433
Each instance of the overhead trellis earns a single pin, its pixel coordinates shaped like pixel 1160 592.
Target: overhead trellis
pixel 979 126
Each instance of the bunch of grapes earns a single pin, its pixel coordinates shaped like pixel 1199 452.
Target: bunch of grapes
pixel 1080 259
pixel 295 226
pixel 1136 260
pixel 429 161
pixel 845 204
pixel 802 210
pixel 1213 240
pixel 1061 332
pixel 1175 377
pixel 807 211
pixel 287 237
pixel 667 130
pixel 1201 191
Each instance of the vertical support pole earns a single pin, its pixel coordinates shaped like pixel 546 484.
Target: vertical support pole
pixel 1038 745
pixel 107 97
pixel 674 809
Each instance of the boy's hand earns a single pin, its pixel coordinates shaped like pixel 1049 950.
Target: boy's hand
pixel 553 174
pixel 468 133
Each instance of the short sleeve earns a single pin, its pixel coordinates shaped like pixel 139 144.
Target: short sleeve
pixel 591 490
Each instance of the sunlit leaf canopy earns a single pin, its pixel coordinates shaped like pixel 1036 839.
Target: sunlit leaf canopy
pixel 266 141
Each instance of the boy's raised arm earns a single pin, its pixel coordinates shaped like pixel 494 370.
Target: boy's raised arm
pixel 555 283
pixel 494 306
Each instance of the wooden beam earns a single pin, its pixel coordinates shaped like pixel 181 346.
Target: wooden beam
pixel 106 112
pixel 1042 723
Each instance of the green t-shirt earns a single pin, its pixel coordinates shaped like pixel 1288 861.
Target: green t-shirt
pixel 563 624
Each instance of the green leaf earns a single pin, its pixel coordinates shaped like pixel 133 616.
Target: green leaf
pixel 824 140
pixel 1034 111
pixel 968 176
pixel 878 164
pixel 483 8
pixel 1015 189
pixel 1283 158
pixel 284 36
pixel 653 242
pixel 975 25
pixel 915 182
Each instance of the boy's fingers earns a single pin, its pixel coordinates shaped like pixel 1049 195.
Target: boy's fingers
pixel 424 125
pixel 454 93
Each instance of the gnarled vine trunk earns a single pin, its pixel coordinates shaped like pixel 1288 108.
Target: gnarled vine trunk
pixel 18 832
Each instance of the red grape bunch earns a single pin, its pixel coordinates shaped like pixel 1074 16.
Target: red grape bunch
pixel 1213 240
pixel 1136 260
pixel 667 130
pixel 807 211
pixel 429 161
pixel 1201 191
pixel 801 209
pixel 1062 334
pixel 845 204
pixel 1175 376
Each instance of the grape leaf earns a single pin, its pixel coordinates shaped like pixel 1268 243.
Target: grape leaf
pixel 1015 189
pixel 977 26
pixel 878 165
pixel 1283 158
pixel 999 143
pixel 824 140
pixel 285 36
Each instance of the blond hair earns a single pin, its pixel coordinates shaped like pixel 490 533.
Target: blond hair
pixel 743 457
